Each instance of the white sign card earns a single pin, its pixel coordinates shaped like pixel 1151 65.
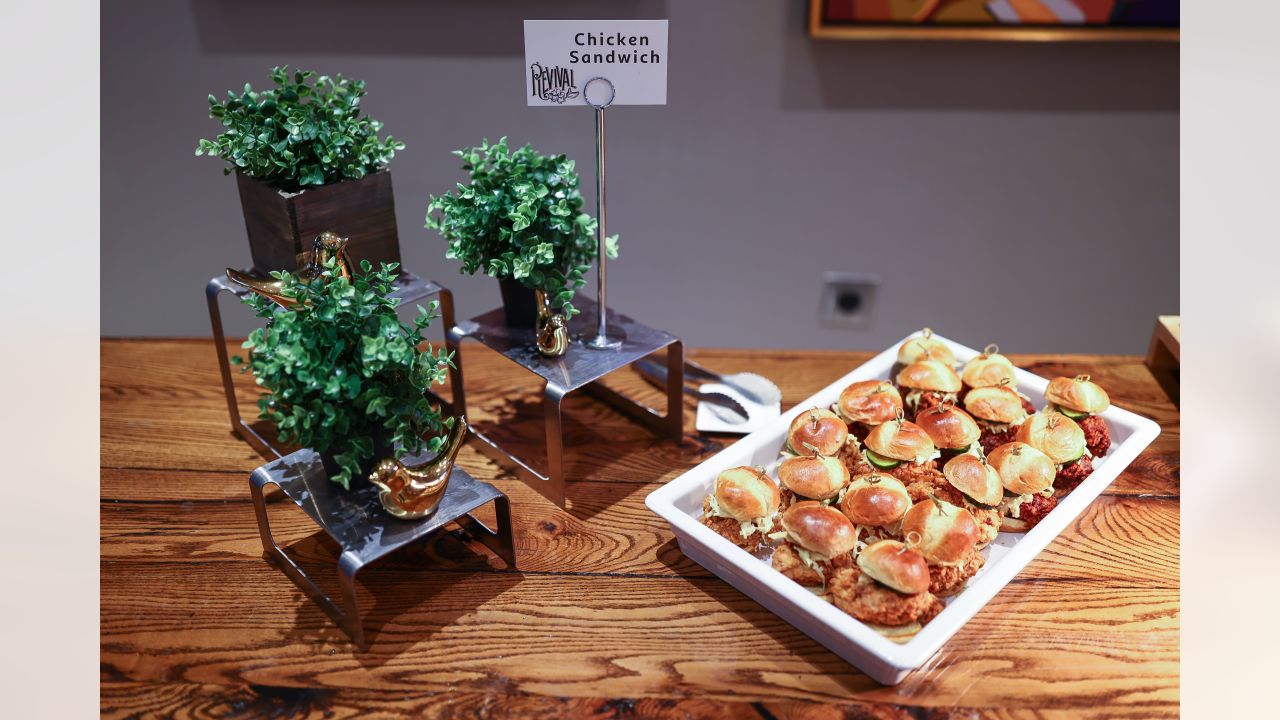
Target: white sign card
pixel 560 56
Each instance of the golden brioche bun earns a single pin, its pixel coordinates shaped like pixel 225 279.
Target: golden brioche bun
pixel 875 499
pixel 925 345
pixel 870 401
pixel 946 532
pixel 900 440
pixel 975 478
pixel 1023 469
pixel 817 431
pixel 995 404
pixel 1053 434
pixel 819 528
pixel 895 565
pixel 929 375
pixel 989 369
pixel 817 478
pixel 1079 394
pixel 745 493
pixel 949 427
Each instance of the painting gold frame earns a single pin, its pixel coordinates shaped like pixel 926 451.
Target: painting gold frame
pixel 818 29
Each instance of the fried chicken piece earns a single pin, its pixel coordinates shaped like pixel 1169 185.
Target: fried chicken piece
pixel 1026 405
pixel 786 498
pixel 922 483
pixel 787 562
pixel 830 567
pixel 1072 474
pixel 909 472
pixel 731 530
pixel 928 399
pixel 851 456
pixel 945 580
pixel 1097 437
pixel 1034 509
pixel 990 440
pixel 988 520
pixel 869 601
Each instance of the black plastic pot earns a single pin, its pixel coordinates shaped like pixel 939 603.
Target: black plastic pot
pixel 518 302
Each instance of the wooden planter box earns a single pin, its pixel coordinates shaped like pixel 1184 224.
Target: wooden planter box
pixel 282 225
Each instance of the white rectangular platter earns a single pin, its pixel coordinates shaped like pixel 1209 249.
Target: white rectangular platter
pixel 679 502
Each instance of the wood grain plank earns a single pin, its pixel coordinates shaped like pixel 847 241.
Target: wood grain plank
pixel 162 408
pixel 1116 538
pixel 610 637
pixel 189 700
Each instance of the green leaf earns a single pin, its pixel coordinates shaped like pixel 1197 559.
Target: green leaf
pixel 304 131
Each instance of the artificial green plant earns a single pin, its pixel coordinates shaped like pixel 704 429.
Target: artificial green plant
pixel 520 217
pixel 304 132
pixel 341 371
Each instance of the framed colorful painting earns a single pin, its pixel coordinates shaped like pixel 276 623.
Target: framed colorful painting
pixel 994 19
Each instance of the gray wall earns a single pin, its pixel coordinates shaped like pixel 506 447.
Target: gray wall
pixel 777 158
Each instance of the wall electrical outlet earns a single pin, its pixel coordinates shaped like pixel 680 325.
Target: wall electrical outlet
pixel 848 299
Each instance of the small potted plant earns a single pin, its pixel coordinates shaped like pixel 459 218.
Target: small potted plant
pixel 520 221
pixel 343 375
pixel 306 161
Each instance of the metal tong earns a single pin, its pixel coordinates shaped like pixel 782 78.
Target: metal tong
pixel 756 388
pixel 725 407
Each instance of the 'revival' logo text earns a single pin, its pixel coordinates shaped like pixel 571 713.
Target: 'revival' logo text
pixel 554 84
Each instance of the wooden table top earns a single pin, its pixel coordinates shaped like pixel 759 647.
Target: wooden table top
pixel 605 617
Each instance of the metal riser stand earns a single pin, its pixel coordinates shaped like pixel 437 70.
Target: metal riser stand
pixel 408 287
pixel 579 369
pixel 364 531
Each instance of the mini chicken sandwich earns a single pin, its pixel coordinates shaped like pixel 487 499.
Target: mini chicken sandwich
pixel 875 503
pixel 1059 437
pixel 927 383
pixel 743 507
pixel 947 536
pixel 952 430
pixel 817 432
pixel 902 449
pixel 998 411
pixel 816 541
pixel 975 486
pixel 1027 476
pixel 811 478
pixel 991 369
pixel 866 404
pixel 888 589
pixel 923 345
pixel 1082 400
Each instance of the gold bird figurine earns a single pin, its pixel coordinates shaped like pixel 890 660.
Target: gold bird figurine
pixel 552 328
pixel 326 246
pixel 410 492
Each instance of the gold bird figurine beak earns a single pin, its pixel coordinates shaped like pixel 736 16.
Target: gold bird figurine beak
pixel 326 246
pixel 410 492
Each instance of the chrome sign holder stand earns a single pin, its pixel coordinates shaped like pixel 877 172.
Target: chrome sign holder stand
pixel 584 364
pixel 598 92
